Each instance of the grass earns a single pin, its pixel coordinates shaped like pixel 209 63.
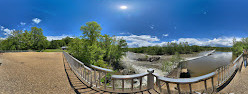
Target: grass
pixel 53 50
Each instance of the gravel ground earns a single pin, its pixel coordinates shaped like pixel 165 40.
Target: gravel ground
pixel 239 84
pixel 33 72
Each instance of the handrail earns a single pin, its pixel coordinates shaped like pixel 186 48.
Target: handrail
pixel 101 69
pixel 186 80
pixel 94 74
pixel 126 77
pixel 238 58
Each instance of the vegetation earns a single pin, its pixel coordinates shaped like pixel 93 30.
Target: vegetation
pixel 96 49
pixel 239 46
pixel 53 50
pixel 172 48
pixel 20 40
pixel 167 65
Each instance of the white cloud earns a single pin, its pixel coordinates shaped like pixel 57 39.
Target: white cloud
pixel 1 28
pixel 140 40
pixel 2 38
pixel 6 31
pixel 125 33
pixel 49 38
pixel 165 35
pixel 222 41
pixel 36 20
pixel 22 23
pixel 152 26
pixel 148 40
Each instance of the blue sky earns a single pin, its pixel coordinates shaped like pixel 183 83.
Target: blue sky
pixel 143 23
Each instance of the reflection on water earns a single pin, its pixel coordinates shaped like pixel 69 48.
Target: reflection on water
pixel 208 64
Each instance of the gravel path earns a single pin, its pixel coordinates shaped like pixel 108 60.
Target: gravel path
pixel 33 72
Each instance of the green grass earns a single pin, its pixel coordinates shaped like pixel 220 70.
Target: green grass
pixel 53 50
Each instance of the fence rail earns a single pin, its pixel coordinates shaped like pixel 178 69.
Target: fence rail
pixel 97 78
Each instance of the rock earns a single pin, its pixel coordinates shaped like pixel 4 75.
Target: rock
pixel 127 72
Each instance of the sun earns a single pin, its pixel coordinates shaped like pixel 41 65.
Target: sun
pixel 123 7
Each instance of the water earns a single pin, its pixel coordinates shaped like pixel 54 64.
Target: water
pixel 208 64
pixel 196 67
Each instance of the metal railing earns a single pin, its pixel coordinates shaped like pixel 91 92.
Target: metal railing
pixel 97 78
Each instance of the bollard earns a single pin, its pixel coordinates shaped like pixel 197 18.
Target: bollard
pixel 150 77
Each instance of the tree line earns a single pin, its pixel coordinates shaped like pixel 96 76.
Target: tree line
pixel 173 48
pixel 31 40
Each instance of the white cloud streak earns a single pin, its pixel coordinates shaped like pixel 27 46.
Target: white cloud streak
pixel 36 20
pixel 165 35
pixel 222 41
pixel 22 23
pixel 6 31
pixel 148 40
pixel 50 38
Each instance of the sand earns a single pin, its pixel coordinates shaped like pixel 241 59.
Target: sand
pixel 33 72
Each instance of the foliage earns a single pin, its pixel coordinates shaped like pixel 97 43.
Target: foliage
pixel 56 44
pixel 53 50
pixel 239 46
pixel 20 40
pixel 169 49
pixel 167 65
pixel 67 40
pixel 94 48
pixel 172 48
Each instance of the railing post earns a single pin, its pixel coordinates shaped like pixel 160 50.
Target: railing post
pixel 150 77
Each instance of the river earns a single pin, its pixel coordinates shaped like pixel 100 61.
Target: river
pixel 196 67
pixel 208 64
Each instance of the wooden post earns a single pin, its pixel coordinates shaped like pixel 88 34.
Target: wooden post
pixel 99 78
pixel 168 88
pixel 140 83
pixel 218 79
pixel 122 84
pixel 178 88
pixel 105 81
pixel 212 79
pixel 190 89
pixel 159 86
pixel 150 79
pixel 91 77
pixel 205 83
pixel 95 77
pixel 132 84
pixel 113 84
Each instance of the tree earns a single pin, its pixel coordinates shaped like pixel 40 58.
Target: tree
pixel 67 40
pixel 94 48
pixel 39 41
pixel 19 40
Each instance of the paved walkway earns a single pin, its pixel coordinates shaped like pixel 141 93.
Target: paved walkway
pixel 239 84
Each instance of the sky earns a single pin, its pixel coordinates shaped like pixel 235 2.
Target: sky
pixel 140 22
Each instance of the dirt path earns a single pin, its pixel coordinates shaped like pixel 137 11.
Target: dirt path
pixel 33 72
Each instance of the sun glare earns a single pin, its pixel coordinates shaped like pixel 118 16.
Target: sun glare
pixel 123 7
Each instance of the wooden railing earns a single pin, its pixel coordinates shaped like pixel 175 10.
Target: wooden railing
pixel 224 73
pixel 6 51
pixel 97 78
